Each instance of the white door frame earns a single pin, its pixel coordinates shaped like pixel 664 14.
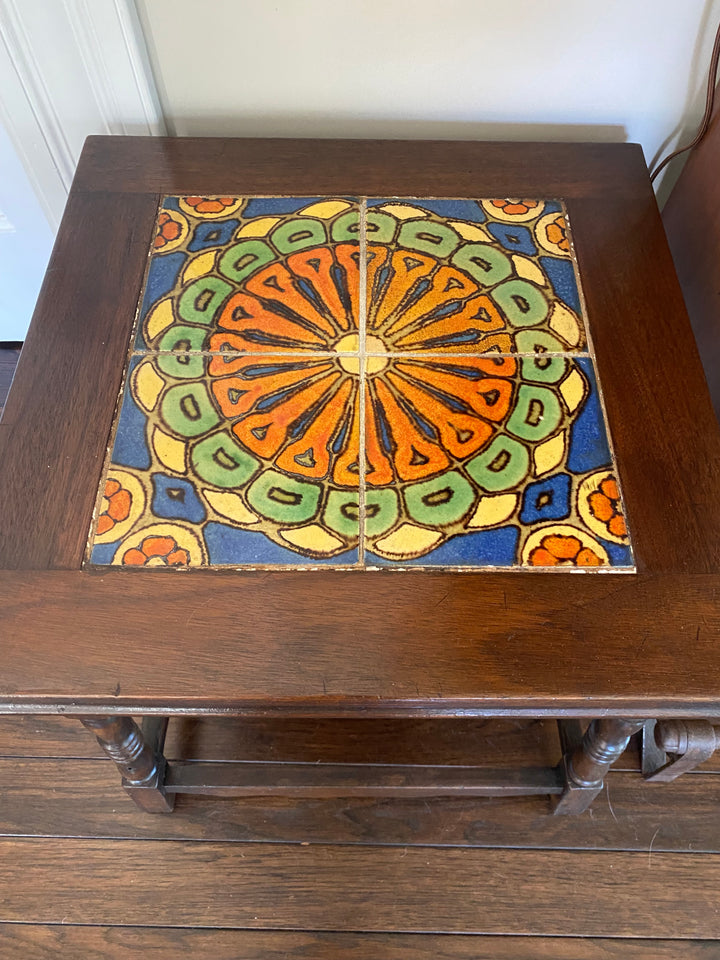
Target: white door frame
pixel 70 68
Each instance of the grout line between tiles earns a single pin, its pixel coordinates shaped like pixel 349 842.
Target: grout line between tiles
pixel 362 384
pixel 329 354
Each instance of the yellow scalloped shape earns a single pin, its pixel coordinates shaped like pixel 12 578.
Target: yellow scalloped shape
pixel 408 540
pixel 565 324
pixel 494 510
pixel 573 389
pixel 313 538
pixel 230 506
pixel 170 451
pixel 147 384
pixel 326 209
pixel 199 265
pixel 258 228
pixel 159 318
pixel 549 454
pixel 470 231
pixel 529 270
pixel 403 211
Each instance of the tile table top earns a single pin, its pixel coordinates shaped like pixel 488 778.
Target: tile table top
pixel 361 383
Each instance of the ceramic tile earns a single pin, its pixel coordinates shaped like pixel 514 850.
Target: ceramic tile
pixel 251 463
pixel 324 381
pixel 466 276
pixel 490 462
pixel 264 274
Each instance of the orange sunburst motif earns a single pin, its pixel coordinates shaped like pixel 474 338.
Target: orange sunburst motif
pixel 300 408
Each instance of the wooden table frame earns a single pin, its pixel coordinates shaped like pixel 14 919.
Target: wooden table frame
pixel 620 649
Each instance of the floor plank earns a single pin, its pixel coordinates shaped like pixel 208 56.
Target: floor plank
pixel 477 866
pixel 33 942
pixel 83 798
pixel 39 736
pixel 355 888
pixel 9 356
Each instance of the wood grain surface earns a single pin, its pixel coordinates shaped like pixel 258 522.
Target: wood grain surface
pixel 357 888
pixel 36 942
pixel 75 642
pixel 82 798
pixel 290 167
pixel 56 423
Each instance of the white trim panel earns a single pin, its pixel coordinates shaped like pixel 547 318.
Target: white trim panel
pixel 68 69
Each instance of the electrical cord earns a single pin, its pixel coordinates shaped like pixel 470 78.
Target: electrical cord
pixel 709 101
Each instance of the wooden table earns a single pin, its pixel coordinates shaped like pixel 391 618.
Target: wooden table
pixel 105 644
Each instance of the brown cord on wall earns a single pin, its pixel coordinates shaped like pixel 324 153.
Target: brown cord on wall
pixel 709 100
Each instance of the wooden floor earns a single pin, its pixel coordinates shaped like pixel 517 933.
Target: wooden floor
pixel 9 355
pixel 84 874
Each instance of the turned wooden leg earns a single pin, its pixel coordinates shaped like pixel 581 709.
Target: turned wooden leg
pixel 141 764
pixel 585 766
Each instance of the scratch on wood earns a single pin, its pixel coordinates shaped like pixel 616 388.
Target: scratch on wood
pixel 651 845
pixel 610 806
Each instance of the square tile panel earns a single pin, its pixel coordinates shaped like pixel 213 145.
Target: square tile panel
pixel 467 276
pixel 482 461
pixel 268 274
pixel 380 383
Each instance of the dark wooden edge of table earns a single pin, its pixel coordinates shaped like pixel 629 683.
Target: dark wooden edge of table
pixel 256 642
pixel 491 641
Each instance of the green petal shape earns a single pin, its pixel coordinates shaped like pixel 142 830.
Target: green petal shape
pixel 283 498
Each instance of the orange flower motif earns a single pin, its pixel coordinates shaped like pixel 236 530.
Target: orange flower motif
pixel 168 230
pixel 606 506
pixel 557 233
pixel 516 207
pixel 118 506
pixel 157 551
pixel 210 204
pixel 567 551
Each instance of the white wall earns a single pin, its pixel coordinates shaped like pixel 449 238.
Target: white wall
pixel 25 243
pixel 68 68
pixel 515 69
